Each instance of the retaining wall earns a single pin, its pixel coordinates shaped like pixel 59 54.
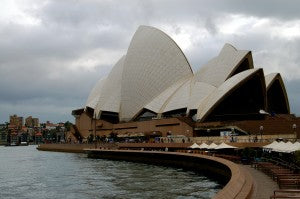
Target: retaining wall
pixel 238 183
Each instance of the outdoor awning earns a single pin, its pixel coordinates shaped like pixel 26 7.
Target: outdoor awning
pixel 194 146
pixel 212 146
pixel 283 147
pixel 296 146
pixel 203 146
pixel 278 147
pixel 225 146
pixel 270 146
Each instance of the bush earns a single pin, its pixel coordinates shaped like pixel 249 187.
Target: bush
pixel 297 157
pixel 249 153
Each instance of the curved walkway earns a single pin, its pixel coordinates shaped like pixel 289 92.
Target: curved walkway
pixel 263 184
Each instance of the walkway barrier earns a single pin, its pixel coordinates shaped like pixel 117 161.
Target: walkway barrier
pixel 286 193
pixel 287 180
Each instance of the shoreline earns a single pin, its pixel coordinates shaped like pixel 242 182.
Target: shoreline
pixel 239 183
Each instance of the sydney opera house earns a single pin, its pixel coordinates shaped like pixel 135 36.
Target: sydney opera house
pixel 152 90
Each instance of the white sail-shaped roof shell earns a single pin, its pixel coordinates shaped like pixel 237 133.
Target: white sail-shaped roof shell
pixel 199 92
pixel 153 63
pixel 110 97
pixel 215 97
pixel 179 99
pixel 156 75
pixel 183 94
pixel 156 105
pixel 95 94
pixel 222 67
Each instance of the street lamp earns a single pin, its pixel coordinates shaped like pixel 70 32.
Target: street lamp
pixel 232 130
pixel 294 128
pixel 232 134
pixel 188 135
pixel 261 128
pixel 208 134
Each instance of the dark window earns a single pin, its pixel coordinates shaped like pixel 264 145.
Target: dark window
pixel 276 99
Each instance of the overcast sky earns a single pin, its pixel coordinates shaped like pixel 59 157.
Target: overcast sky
pixel 53 52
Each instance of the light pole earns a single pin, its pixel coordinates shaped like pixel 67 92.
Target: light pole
pixel 232 135
pixel 208 133
pixel 294 128
pixel 187 134
pixel 95 134
pixel 261 128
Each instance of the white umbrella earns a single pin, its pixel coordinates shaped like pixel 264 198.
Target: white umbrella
pixel 280 147
pixel 212 146
pixel 203 146
pixel 270 146
pixel 287 148
pixel 225 146
pixel 194 146
pixel 296 146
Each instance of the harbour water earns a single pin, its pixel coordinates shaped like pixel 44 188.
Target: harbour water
pixel 28 173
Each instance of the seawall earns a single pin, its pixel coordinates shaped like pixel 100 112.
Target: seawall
pixel 71 148
pixel 238 183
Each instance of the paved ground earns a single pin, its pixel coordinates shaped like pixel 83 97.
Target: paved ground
pixel 263 184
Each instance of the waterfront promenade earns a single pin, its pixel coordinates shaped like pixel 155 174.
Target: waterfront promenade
pixel 263 185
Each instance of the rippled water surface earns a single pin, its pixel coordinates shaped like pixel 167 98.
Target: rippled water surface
pixel 28 173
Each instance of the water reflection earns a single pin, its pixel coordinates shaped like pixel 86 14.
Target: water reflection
pixel 28 173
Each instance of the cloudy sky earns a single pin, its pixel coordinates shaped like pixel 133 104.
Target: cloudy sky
pixel 53 52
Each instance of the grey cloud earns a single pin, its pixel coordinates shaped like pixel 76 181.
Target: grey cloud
pixel 35 60
pixel 269 8
pixel 211 26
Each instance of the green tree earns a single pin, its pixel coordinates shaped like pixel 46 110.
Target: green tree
pixel 91 138
pixel 68 125
pixel 297 157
